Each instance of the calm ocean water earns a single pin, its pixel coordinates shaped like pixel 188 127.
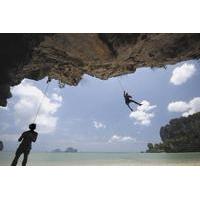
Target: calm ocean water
pixel 106 159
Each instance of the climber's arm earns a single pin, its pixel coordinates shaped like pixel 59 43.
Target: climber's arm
pixel 21 137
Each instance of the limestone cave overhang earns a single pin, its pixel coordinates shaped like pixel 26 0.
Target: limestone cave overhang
pixel 68 56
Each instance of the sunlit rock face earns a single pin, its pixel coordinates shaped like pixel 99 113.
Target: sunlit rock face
pixel 66 57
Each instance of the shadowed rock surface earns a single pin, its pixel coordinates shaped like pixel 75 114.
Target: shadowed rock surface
pixel 66 57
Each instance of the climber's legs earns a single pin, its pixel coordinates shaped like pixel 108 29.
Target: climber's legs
pixel 129 107
pixel 17 155
pixel 139 104
pixel 26 153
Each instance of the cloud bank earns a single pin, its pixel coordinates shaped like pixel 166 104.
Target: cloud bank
pixel 28 100
pixel 181 74
pixel 143 114
pixel 186 108
pixel 118 138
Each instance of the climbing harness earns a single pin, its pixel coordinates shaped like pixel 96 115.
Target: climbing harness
pixel 44 94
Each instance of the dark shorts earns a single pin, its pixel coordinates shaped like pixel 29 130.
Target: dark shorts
pixel 127 102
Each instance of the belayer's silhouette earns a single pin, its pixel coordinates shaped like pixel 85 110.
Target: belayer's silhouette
pixel 128 99
pixel 24 148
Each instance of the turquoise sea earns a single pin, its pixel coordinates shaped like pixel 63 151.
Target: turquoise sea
pixel 105 159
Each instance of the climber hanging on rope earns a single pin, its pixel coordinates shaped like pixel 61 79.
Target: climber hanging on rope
pixel 29 136
pixel 24 148
pixel 128 99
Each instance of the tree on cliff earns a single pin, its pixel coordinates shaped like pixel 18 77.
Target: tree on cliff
pixel 150 146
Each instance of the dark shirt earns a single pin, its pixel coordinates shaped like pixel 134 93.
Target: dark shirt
pixel 27 138
pixel 127 97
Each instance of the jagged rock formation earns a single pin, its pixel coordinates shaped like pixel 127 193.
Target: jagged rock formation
pixel 1 146
pixel 66 57
pixel 182 135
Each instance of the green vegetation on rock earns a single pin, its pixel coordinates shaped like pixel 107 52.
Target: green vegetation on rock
pixel 180 135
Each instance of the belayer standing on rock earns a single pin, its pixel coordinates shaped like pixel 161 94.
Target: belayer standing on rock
pixel 24 148
pixel 128 99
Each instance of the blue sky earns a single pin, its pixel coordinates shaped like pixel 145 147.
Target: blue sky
pixel 93 117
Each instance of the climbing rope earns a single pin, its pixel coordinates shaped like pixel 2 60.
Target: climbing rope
pixel 120 84
pixel 44 94
pixel 124 85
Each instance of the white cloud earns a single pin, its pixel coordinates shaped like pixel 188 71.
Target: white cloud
pixel 118 138
pixel 28 100
pixel 143 115
pixel 181 74
pixel 56 97
pixel 178 106
pixel 186 108
pixel 98 125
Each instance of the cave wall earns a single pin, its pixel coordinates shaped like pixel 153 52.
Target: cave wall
pixel 66 57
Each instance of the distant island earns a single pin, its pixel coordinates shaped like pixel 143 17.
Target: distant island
pixel 56 151
pixel 180 135
pixel 1 146
pixel 71 150
pixel 68 150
